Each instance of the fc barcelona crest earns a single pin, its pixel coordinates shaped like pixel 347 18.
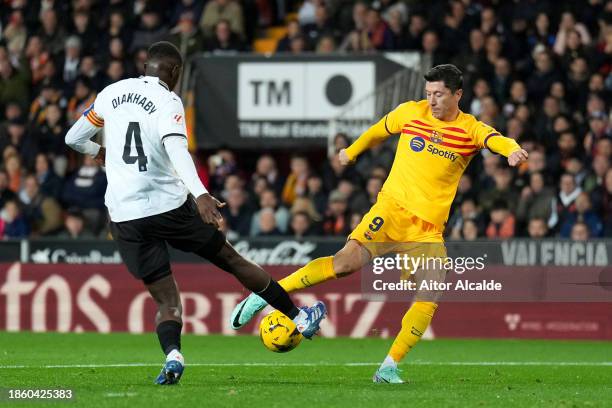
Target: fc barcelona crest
pixel 435 137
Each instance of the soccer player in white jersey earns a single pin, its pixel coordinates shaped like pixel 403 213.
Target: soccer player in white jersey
pixel 150 177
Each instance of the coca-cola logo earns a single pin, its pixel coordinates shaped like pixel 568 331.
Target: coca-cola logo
pixel 284 253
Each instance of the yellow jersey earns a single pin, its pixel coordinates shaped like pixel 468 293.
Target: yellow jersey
pixel 431 156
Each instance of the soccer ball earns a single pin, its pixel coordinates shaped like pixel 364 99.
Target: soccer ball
pixel 278 333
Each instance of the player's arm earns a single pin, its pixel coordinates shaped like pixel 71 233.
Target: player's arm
pixel 489 138
pixel 375 135
pixel 174 138
pixel 389 125
pixel 80 134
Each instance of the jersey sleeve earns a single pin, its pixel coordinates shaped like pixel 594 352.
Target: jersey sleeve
pixel 395 120
pixel 486 137
pixel 94 114
pixel 171 119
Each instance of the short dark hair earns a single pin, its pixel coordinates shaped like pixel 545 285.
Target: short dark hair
pixel 447 73
pixel 164 50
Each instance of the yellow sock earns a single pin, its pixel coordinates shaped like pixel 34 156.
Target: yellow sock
pixel 414 323
pixel 314 272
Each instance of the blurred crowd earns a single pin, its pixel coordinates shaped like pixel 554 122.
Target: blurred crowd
pixel 539 71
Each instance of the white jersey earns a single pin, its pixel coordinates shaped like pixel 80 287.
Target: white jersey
pixel 137 114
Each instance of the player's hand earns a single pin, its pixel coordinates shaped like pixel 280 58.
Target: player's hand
pixel 344 159
pixel 518 157
pixel 208 208
pixel 101 156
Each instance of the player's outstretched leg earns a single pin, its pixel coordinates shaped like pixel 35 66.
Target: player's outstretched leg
pixel 346 261
pixel 254 278
pixel 169 324
pixel 414 323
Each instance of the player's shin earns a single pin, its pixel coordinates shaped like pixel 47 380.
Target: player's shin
pixel 414 323
pixel 278 298
pixel 314 272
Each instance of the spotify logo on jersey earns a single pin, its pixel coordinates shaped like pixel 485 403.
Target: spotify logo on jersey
pixel 417 144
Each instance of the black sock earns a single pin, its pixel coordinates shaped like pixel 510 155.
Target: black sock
pixel 279 299
pixel 169 335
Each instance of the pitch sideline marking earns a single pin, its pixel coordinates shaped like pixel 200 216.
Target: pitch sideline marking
pixel 324 364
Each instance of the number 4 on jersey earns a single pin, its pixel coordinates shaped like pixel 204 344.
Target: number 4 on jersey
pixel 134 131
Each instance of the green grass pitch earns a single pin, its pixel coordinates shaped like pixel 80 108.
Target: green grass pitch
pixel 112 370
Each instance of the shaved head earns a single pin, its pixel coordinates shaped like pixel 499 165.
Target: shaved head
pixel 165 61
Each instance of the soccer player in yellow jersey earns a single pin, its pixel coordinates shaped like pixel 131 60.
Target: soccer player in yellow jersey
pixel 436 143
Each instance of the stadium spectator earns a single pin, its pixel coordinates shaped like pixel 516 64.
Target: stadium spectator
pixel 267 224
pixel 542 33
pixel 373 187
pixel 74 226
pixel 293 31
pixel 543 77
pixel 269 201
pixel 595 178
pixel 583 214
pixel 85 31
pixel 503 191
pixel 20 138
pixel 51 33
pixel 300 225
pixel 502 223
pixel 14 86
pixel 151 30
pixel 50 136
pixel 566 200
pixel 536 200
pixel 469 231
pixel 580 232
pixel 71 61
pixel 13 225
pixel 337 220
pixel 304 204
pixel 6 194
pixel 537 228
pixel 84 97
pixel 326 45
pixel 467 211
pixel 44 214
pixel 224 40
pixel 333 172
pixel 15 33
pixel 217 10
pixel 568 25
pixel 220 165
pixel 12 164
pixel 187 35
pixel 50 183
pixel 316 193
pixel 320 27
pixel 416 28
pixel 295 186
pixel 85 189
pixel 236 213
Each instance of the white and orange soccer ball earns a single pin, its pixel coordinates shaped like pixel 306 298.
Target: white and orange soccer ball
pixel 278 333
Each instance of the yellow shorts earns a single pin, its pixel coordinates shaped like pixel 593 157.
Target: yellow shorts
pixel 388 227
